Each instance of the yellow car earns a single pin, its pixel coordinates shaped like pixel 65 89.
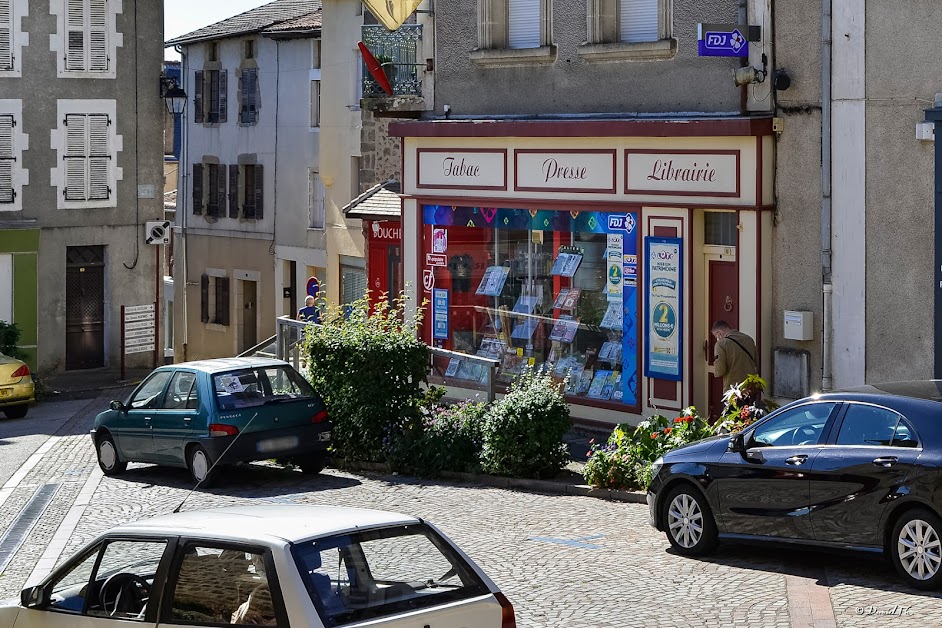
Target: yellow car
pixel 16 387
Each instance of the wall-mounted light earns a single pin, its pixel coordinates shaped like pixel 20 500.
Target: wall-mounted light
pixel 749 74
pixel 171 92
pixel 781 80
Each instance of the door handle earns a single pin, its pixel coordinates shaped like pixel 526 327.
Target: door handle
pixel 885 461
pixel 187 419
pixel 797 460
pixel 147 418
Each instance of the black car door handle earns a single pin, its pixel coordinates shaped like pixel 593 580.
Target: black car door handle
pixel 797 460
pixel 885 461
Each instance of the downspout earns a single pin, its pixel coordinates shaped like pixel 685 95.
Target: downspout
pixel 183 172
pixel 826 375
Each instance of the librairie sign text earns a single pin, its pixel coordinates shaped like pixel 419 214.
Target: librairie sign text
pixel 682 173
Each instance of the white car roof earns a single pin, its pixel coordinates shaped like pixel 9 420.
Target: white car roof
pixel 266 523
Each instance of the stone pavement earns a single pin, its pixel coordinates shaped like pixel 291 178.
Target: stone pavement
pixel 565 561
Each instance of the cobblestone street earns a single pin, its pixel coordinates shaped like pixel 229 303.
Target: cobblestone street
pixel 562 560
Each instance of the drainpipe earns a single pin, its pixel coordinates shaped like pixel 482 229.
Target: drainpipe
pixel 934 116
pixel 826 377
pixel 182 176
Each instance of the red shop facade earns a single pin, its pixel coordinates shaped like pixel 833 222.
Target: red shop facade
pixel 599 251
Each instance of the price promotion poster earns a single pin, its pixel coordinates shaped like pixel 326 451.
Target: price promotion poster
pixel 663 331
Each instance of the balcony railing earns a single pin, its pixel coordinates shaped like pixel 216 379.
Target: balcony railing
pixel 398 53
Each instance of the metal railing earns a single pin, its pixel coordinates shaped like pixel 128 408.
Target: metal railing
pixel 398 53
pixel 288 335
pixel 464 372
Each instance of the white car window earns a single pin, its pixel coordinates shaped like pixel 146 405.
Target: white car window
pixel 219 586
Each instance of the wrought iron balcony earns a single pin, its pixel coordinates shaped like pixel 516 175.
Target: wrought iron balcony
pixel 398 53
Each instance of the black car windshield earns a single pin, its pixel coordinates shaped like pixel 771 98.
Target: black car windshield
pixel 257 386
pixel 378 573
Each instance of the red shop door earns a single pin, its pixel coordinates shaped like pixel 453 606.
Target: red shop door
pixel 723 305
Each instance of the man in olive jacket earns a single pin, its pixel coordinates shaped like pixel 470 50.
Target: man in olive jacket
pixel 735 355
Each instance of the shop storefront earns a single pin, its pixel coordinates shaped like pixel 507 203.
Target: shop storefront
pixel 600 252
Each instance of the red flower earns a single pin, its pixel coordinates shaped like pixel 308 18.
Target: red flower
pixel 654 435
pixel 745 413
pixel 588 454
pixel 679 419
pixel 667 430
pixel 689 419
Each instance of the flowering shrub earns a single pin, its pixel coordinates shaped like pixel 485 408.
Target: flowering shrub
pixel 744 406
pixel 625 460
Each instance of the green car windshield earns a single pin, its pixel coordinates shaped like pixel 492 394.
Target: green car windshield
pixel 252 387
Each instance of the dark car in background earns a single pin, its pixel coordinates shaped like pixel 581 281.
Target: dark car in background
pixel 858 470
pixel 228 410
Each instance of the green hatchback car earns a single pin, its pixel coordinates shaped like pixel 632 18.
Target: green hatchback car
pixel 229 410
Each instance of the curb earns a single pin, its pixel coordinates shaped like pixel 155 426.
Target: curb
pixel 519 484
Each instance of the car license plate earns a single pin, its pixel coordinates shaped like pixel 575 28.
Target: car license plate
pixel 271 445
pixel 323 436
pixel 6 392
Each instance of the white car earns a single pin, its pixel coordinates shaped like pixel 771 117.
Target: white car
pixel 273 565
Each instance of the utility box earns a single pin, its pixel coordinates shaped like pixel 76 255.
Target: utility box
pixel 799 325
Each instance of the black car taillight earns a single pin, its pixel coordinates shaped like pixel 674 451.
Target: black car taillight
pixel 507 619
pixel 320 417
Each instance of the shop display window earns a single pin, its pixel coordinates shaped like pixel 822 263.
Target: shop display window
pixel 551 289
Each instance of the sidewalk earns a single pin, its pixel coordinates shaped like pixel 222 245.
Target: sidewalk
pixel 88 384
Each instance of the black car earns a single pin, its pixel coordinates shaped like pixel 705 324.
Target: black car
pixel 853 470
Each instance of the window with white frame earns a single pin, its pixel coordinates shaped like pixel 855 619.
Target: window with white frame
pixel 317 194
pixel 12 144
pixel 88 145
pixel 12 37
pixel 87 38
pixel 629 22
pixel 246 191
pixel 315 103
pixel 514 24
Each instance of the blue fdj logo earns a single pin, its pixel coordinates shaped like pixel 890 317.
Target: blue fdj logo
pixel 621 223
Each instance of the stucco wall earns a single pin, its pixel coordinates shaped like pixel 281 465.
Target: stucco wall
pixel 573 85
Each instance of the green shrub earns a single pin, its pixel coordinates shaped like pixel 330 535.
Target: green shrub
pixel 624 462
pixel 9 339
pixel 523 432
pixel 371 369
pixel 446 438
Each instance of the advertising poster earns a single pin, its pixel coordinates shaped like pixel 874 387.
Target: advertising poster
pixel 440 313
pixel 663 322
pixel 626 389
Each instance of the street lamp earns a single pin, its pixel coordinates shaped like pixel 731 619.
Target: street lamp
pixel 173 94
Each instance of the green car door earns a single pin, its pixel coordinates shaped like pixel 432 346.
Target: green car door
pixel 176 418
pixel 135 425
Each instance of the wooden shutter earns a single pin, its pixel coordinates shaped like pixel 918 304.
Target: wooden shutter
pixel 315 103
pixel 6 34
pixel 222 300
pixel 248 113
pixel 204 298
pixel 221 185
pixel 7 159
pixel 317 201
pixel 223 94
pixel 638 20
pixel 198 97
pixel 97 36
pixel 234 191
pixel 198 189
pixel 259 191
pixel 76 157
pixel 99 158
pixel 75 35
pixel 523 23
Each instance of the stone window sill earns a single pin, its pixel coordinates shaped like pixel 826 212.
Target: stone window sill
pixel 216 327
pixel 642 51
pixel 508 57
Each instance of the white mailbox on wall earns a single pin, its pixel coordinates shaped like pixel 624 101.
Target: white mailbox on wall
pixel 799 325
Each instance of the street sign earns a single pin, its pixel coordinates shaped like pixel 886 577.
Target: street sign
pixel 137 309
pixel 313 287
pixel 724 40
pixel 138 334
pixel 139 349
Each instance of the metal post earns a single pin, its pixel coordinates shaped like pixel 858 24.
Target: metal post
pixel 935 115
pixel 122 342
pixel 157 304
pixel 279 340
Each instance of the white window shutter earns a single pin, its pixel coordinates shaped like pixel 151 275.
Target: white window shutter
pixel 76 35
pixel 523 24
pixel 638 20
pixel 6 35
pixel 7 159
pixel 315 103
pixel 97 36
pixel 316 191
pixel 76 158
pixel 99 159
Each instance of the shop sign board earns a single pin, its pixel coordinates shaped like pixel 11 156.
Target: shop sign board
pixel 565 171
pixel 461 169
pixel 663 319
pixel 435 259
pixel 682 173
pixel 440 313
pixel 722 40
pixel 387 231
pixel 428 280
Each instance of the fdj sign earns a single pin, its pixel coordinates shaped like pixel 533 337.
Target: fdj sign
pixel 621 223
pixel 723 40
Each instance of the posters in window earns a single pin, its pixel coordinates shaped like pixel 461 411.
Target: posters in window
pixel 663 323
pixel 492 283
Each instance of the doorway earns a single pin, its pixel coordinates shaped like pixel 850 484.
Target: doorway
pixel 249 315
pixel 85 307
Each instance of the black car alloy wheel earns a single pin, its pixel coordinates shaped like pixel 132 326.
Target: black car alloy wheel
pixel 916 548
pixel 689 521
